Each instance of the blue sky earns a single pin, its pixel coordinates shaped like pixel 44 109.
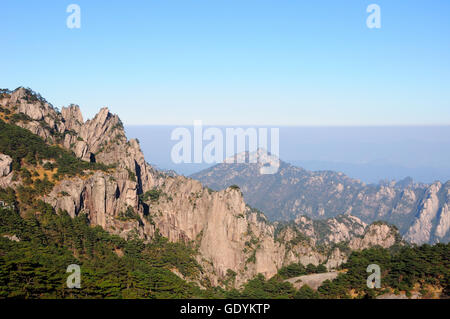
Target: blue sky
pixel 235 62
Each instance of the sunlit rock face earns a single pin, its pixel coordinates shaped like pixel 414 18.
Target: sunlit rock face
pixel 5 165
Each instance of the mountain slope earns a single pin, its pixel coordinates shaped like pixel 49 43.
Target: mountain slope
pixel 419 211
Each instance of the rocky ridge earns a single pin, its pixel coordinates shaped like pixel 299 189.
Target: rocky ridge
pixel 420 211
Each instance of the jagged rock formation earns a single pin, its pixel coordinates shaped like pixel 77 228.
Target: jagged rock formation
pixel 131 198
pixel 348 229
pixel 419 211
pixel 341 234
pixel 331 231
pixel 377 234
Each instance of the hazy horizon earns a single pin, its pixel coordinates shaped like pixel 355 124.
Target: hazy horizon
pixel 370 154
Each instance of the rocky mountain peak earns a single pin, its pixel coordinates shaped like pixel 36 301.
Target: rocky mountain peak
pixel 377 234
pixel 72 117
pixel 256 156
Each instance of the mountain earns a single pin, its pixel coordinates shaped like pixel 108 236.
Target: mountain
pixel 375 171
pixel 128 197
pixel 420 211
pixel 76 191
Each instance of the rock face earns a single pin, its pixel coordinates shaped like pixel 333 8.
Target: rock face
pixel 420 211
pixel 314 281
pixel 5 171
pixel 420 231
pixel 345 233
pixel 12 238
pixel 5 165
pixel 103 198
pixel 444 222
pixel 227 233
pixel 377 234
pixel 432 221
pixel 341 228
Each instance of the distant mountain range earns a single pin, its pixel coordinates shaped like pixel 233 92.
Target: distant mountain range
pixel 370 154
pixel 420 211
pixel 377 171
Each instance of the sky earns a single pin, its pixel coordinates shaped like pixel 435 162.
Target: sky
pixel 235 62
pixel 367 153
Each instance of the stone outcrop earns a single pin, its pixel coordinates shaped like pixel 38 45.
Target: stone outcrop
pixel 330 231
pixel 348 231
pixel 6 175
pixel 314 280
pixel 5 165
pixel 377 234
pixel 12 238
